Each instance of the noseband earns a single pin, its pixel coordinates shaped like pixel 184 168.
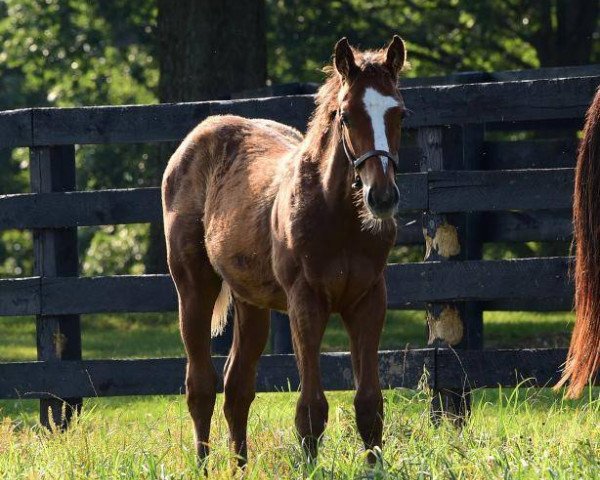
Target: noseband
pixel 357 162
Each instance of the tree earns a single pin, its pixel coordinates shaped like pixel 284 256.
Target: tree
pixel 68 53
pixel 443 36
pixel 208 49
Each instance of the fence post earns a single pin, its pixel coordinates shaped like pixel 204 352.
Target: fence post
pixel 52 169
pixel 451 237
pixel 221 344
pixel 281 333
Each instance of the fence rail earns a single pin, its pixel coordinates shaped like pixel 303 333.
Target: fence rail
pixel 437 368
pixel 410 285
pixel 528 100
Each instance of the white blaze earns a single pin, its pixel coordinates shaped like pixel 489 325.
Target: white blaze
pixel 377 105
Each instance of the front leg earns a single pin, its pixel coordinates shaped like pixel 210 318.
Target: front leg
pixel 308 312
pixel 364 322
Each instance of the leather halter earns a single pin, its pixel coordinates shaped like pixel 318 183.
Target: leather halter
pixel 357 162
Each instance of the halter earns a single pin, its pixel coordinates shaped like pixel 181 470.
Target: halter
pixel 357 162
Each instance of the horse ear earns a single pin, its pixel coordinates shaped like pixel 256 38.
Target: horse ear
pixel 343 60
pixel 395 56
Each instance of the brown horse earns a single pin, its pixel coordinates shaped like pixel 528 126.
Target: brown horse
pixel 583 360
pixel 257 215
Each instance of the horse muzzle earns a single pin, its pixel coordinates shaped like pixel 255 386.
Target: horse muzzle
pixel 382 202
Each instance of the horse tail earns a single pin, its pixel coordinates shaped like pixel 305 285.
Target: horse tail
pixel 220 310
pixel 583 358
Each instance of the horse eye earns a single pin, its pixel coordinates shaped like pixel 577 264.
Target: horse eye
pixel 344 118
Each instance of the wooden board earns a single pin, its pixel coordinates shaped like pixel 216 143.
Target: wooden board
pixel 157 123
pixel 100 378
pixel 524 226
pixel 490 368
pixel 123 293
pixel 447 191
pixel 20 296
pixel 56 210
pixel 534 280
pixel 444 368
pixel 505 76
pixel 502 102
pixel 546 153
pixel 16 128
pixel 412 284
pixel 465 191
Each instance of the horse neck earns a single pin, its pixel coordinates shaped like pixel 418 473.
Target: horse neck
pixel 332 167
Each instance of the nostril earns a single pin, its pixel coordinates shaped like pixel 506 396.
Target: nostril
pixel 388 198
pixel 396 195
pixel 370 198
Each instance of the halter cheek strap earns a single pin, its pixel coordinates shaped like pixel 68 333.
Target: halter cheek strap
pixel 357 162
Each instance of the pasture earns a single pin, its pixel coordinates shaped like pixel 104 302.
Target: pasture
pixel 476 207
pixel 498 301
pixel 513 433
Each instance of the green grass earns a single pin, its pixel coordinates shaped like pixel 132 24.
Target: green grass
pixel 516 433
pixel 157 335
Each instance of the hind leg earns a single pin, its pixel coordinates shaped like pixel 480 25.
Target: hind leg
pixel 250 334
pixel 197 287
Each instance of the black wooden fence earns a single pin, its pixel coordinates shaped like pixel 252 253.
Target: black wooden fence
pixel 457 178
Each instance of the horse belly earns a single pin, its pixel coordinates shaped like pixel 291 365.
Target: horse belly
pixel 239 248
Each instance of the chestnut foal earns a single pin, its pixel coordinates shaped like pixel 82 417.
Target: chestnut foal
pixel 257 215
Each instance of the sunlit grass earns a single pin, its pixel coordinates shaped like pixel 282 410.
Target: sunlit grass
pixel 157 335
pixel 521 433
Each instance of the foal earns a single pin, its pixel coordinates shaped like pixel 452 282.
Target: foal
pixel 256 215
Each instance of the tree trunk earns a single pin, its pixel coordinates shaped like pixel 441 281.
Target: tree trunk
pixel 207 50
pixel 565 33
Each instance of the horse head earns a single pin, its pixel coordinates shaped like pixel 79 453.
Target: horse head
pixel 370 112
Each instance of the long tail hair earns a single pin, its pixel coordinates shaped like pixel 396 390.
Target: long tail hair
pixel 583 359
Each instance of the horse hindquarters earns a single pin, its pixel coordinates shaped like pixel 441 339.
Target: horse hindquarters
pixel 198 287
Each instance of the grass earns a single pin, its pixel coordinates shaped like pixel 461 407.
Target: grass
pixel 157 335
pixel 516 433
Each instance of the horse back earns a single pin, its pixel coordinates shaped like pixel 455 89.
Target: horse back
pixel 225 174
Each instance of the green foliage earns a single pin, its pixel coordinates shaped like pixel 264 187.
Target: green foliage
pixel 148 335
pixel 15 253
pixel 443 36
pixel 73 52
pixel 117 249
